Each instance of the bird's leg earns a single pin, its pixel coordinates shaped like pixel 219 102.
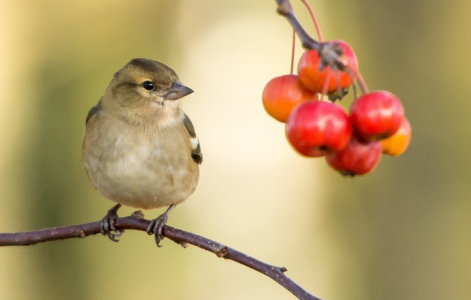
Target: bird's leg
pixel 108 224
pixel 156 225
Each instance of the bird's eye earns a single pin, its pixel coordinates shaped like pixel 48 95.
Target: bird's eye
pixel 148 85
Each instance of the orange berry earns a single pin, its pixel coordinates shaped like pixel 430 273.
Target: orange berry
pixel 282 94
pixel 313 78
pixel 398 143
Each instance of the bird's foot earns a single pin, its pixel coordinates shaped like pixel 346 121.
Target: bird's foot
pixel 156 225
pixel 108 226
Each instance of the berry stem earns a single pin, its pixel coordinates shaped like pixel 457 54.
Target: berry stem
pixel 284 8
pixel 355 93
pixel 314 19
pixel 326 83
pixel 362 83
pixel 356 76
pixel 337 83
pixel 292 51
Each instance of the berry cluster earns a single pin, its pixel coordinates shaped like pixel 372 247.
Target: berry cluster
pixel 353 142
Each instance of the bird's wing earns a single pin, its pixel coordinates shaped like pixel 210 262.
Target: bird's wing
pixel 196 148
pixel 93 111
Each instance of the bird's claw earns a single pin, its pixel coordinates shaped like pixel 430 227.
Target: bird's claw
pixel 114 236
pixel 108 226
pixel 156 227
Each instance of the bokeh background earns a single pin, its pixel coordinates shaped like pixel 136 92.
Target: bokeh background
pixel 402 232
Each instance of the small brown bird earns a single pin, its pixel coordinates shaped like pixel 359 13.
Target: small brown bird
pixel 140 149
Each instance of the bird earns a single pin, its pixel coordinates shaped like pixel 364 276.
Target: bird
pixel 139 148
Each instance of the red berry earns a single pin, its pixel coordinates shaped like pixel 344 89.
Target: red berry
pixel 357 158
pixel 315 128
pixel 282 94
pixel 309 69
pixel 398 143
pixel 376 115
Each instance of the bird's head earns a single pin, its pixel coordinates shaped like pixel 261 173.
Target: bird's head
pixel 145 91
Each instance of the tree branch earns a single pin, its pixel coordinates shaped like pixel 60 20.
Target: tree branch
pixel 136 222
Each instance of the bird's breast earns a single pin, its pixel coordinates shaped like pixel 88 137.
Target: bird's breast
pixel 141 168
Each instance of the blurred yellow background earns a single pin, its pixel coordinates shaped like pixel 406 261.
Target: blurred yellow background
pixel 401 232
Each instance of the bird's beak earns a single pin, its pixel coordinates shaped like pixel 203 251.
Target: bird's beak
pixel 177 91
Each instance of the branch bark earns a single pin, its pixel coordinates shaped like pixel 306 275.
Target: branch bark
pixel 136 222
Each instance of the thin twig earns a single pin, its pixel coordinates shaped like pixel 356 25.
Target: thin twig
pixel 136 222
pixel 293 48
pixel 314 20
pixel 285 9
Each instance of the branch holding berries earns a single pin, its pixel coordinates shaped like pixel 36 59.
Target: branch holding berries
pixel 353 142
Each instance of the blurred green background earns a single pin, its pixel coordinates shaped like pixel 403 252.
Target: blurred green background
pixel 401 232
